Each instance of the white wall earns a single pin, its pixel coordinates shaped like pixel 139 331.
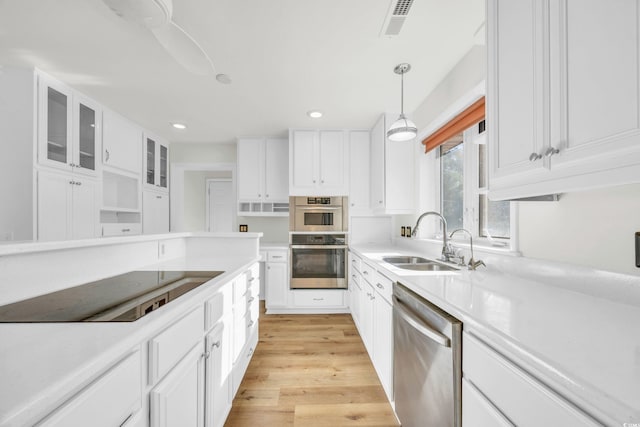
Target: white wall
pixel 593 228
pixel 203 153
pixel 276 230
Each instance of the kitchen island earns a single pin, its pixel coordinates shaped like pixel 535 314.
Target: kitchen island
pixel 47 368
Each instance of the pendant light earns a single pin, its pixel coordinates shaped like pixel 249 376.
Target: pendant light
pixel 402 129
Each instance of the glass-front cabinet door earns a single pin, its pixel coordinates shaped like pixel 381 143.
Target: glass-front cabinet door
pixel 164 154
pixel 55 127
pixel 86 138
pixel 156 163
pixel 151 161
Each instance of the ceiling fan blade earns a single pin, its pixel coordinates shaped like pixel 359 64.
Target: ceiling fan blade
pixel 184 49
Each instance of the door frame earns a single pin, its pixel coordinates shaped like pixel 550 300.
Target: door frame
pixel 207 197
pixel 176 178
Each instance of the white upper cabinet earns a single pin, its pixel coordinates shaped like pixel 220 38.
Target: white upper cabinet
pixel 562 95
pixel 263 176
pixel 392 172
pixel 359 171
pixel 121 143
pixel 156 163
pixel 68 128
pixel 318 163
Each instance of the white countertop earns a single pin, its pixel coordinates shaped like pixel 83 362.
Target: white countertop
pixel 576 330
pixel 43 364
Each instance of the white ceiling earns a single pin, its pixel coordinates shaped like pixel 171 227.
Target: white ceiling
pixel 285 57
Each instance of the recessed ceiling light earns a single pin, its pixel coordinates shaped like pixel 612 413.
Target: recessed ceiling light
pixel 180 126
pixel 314 114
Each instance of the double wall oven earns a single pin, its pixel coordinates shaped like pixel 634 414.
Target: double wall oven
pixel 318 242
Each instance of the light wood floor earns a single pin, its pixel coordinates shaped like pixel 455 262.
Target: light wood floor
pixel 308 371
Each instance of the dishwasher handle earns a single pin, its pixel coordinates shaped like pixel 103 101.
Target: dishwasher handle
pixel 418 325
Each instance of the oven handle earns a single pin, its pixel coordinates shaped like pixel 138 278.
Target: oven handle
pixel 318 208
pixel 319 247
pixel 418 325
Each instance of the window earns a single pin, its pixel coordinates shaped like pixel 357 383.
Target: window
pixel 463 189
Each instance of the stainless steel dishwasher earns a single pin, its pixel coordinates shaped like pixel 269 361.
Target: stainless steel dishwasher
pixel 427 362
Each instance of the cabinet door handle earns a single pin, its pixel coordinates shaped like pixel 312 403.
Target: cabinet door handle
pixel 534 156
pixel 125 230
pixel 314 181
pixel 353 276
pixel 250 324
pixel 78 183
pixel 72 182
pixel 322 181
pixel 266 195
pixel 158 197
pixel 106 152
pixel 318 299
pixel 258 194
pixel 215 344
pixel 251 300
pixel 379 286
pixel 366 273
pixel 551 151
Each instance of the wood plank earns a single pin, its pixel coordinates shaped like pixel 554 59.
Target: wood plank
pixel 310 370
pixel 349 414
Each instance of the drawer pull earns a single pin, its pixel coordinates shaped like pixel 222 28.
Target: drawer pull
pixel 277 256
pixel 318 299
pixel 379 286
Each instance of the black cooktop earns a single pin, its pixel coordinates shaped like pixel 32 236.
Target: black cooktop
pixel 122 298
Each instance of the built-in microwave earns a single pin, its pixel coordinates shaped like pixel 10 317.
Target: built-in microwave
pixel 318 214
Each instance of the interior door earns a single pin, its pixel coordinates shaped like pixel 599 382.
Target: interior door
pixel 221 205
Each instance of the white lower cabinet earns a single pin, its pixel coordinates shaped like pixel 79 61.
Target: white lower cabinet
pixel 512 392
pixel 155 212
pixel 108 401
pixel 218 376
pixel 477 411
pixel 67 206
pixel 178 400
pixel 373 314
pixel 277 279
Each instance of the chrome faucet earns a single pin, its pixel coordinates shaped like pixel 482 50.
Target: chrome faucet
pixel 473 264
pixel 447 252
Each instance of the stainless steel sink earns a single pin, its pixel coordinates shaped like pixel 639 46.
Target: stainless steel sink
pixel 426 266
pixel 406 260
pixel 417 263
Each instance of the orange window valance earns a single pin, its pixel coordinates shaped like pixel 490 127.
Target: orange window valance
pixel 472 115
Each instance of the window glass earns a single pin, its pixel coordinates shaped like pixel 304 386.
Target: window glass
pixel 494 218
pixel 452 178
pixel 466 167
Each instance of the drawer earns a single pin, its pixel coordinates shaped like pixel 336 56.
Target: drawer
pixel 477 411
pixel 368 272
pixel 169 346
pixel 355 277
pixel 240 286
pixel 520 397
pixel 277 256
pixel 121 229
pixel 383 285
pixel 217 306
pixel 356 261
pixel 318 298
pixel 108 401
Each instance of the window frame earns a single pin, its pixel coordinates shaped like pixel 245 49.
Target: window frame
pixel 471 193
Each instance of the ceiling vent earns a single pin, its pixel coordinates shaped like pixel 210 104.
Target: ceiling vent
pixel 398 11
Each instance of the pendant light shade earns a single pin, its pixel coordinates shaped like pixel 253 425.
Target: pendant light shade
pixel 402 129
